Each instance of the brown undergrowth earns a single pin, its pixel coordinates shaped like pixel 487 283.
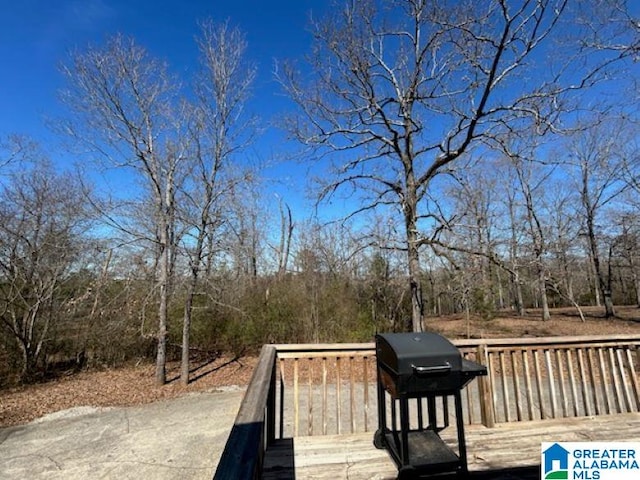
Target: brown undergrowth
pixel 127 386
pixel 134 385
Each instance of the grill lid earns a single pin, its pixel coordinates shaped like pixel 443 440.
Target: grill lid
pixel 418 353
pixel 422 363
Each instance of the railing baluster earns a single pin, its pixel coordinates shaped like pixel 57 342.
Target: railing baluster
pixel 617 393
pixel 516 384
pixel 552 386
pixel 604 380
pixel 310 410
pixel 536 366
pixel 352 404
pixel 625 380
pixel 505 389
pixel 494 402
pixel 594 383
pixel 365 363
pixel 324 395
pixel 296 398
pixel 487 411
pixel 583 381
pixel 634 379
pixel 527 383
pixel 563 391
pixel 572 381
pixel 467 393
pixel 338 397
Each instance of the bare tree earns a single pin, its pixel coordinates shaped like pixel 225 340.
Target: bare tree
pixel 629 247
pixel 537 229
pixel 42 226
pixel 474 194
pixel 401 89
pixel 15 149
pixel 125 102
pixel 597 164
pixel 219 130
pixel 515 236
pixel 283 250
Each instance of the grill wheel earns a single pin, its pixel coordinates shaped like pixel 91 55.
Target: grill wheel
pixel 378 440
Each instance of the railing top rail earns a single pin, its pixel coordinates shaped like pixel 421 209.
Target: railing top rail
pixel 541 341
pixel 254 401
pixel 323 347
pixel 290 350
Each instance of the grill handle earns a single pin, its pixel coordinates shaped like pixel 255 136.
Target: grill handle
pixel 433 370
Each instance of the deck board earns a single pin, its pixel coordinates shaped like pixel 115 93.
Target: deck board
pixel 508 451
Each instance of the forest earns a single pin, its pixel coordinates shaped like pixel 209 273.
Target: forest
pixel 479 168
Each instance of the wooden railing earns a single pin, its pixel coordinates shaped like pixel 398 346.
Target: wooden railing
pixel 331 388
pixel 547 378
pixel 254 428
pixel 328 388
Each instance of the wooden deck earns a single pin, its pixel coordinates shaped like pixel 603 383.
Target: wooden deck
pixel 309 410
pixel 505 452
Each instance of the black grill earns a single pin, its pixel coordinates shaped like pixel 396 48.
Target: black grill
pixel 426 367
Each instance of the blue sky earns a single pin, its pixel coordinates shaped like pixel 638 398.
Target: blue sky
pixel 37 35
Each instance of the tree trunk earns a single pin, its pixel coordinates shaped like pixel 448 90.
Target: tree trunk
pixel 636 284
pixel 188 306
pixel 500 292
pixel 186 331
pixel 518 290
pixel 594 284
pixel 410 208
pixel 608 299
pixel 543 295
pixel 568 278
pixel 286 232
pixel 602 287
pixel 163 281
pixel 27 365
pixel 417 304
pixel 609 311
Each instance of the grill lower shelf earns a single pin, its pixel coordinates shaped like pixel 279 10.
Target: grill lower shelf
pixel 427 452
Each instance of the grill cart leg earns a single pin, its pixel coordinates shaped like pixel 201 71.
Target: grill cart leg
pixel 379 440
pixel 462 446
pixel 404 430
pixel 431 405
